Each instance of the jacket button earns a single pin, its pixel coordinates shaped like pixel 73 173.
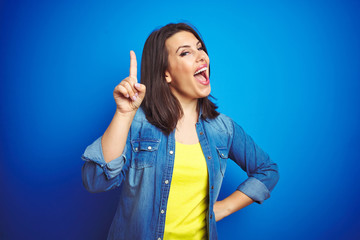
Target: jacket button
pixel 211 216
pixel 159 239
pixel 136 149
pixel 162 211
pixel 209 157
pixel 171 152
pixel 166 181
pixel 212 187
pixel 201 133
pixel 149 147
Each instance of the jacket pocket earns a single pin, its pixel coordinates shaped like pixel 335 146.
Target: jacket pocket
pixel 144 152
pixel 223 156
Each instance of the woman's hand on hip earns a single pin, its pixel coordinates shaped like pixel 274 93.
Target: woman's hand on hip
pixel 236 201
pixel 220 211
pixel 129 94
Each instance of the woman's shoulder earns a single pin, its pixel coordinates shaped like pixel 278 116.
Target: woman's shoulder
pixel 140 115
pixel 140 125
pixel 139 120
pixel 221 118
pixel 222 123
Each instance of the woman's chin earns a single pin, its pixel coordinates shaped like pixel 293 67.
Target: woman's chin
pixel 206 92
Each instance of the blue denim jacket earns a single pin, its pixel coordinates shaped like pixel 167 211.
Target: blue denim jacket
pixel 143 173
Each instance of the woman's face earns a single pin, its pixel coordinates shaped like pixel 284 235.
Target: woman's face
pixel 188 67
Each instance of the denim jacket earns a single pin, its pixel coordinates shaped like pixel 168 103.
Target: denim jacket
pixel 143 173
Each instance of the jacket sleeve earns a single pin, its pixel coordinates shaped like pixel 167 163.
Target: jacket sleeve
pixel 99 176
pixel 261 170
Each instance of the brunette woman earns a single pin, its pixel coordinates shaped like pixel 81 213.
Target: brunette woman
pixel 167 147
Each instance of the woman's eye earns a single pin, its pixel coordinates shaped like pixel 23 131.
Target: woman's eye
pixel 201 48
pixel 184 53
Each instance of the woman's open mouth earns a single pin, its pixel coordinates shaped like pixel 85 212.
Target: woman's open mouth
pixel 201 75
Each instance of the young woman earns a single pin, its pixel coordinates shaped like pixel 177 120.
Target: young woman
pixel 166 147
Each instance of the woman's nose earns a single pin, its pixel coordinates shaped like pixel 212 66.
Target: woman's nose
pixel 201 56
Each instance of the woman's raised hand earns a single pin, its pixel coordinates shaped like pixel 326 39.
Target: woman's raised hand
pixel 129 93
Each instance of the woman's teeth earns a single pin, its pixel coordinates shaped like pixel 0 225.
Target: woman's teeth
pixel 200 70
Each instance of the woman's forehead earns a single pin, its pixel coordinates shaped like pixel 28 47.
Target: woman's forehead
pixel 182 38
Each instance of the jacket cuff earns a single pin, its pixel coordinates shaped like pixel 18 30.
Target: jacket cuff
pixel 93 153
pixel 254 189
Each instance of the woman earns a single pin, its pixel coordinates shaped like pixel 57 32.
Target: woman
pixel 167 149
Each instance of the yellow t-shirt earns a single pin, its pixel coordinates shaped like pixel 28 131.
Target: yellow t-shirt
pixel 188 198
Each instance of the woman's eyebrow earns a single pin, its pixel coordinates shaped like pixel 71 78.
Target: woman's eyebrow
pixel 184 46
pixel 187 46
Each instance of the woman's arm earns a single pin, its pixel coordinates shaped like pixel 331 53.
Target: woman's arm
pixel 261 170
pixel 105 165
pixel 114 139
pixel 231 204
pixel 128 96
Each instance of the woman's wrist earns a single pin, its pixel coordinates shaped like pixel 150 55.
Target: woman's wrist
pixel 125 115
pixel 221 210
pixel 231 204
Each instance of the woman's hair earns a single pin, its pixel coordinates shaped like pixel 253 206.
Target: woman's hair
pixel 161 107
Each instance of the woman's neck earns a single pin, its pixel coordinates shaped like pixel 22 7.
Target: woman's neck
pixel 190 113
pixel 185 129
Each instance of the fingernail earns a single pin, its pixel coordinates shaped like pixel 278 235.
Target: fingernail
pixel 137 85
pixel 134 98
pixel 127 95
pixel 136 94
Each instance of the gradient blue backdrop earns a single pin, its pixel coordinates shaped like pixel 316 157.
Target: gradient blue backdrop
pixel 287 71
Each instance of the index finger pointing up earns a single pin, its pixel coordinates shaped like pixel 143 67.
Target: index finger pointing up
pixel 133 65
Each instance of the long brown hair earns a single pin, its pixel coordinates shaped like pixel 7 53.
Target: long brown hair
pixel 161 107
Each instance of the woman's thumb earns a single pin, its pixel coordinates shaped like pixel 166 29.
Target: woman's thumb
pixel 141 88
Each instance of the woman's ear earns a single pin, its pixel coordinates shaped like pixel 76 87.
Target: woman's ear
pixel 167 77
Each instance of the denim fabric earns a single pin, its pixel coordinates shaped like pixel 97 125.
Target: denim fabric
pixel 143 173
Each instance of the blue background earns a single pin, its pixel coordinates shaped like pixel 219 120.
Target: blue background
pixel 287 71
